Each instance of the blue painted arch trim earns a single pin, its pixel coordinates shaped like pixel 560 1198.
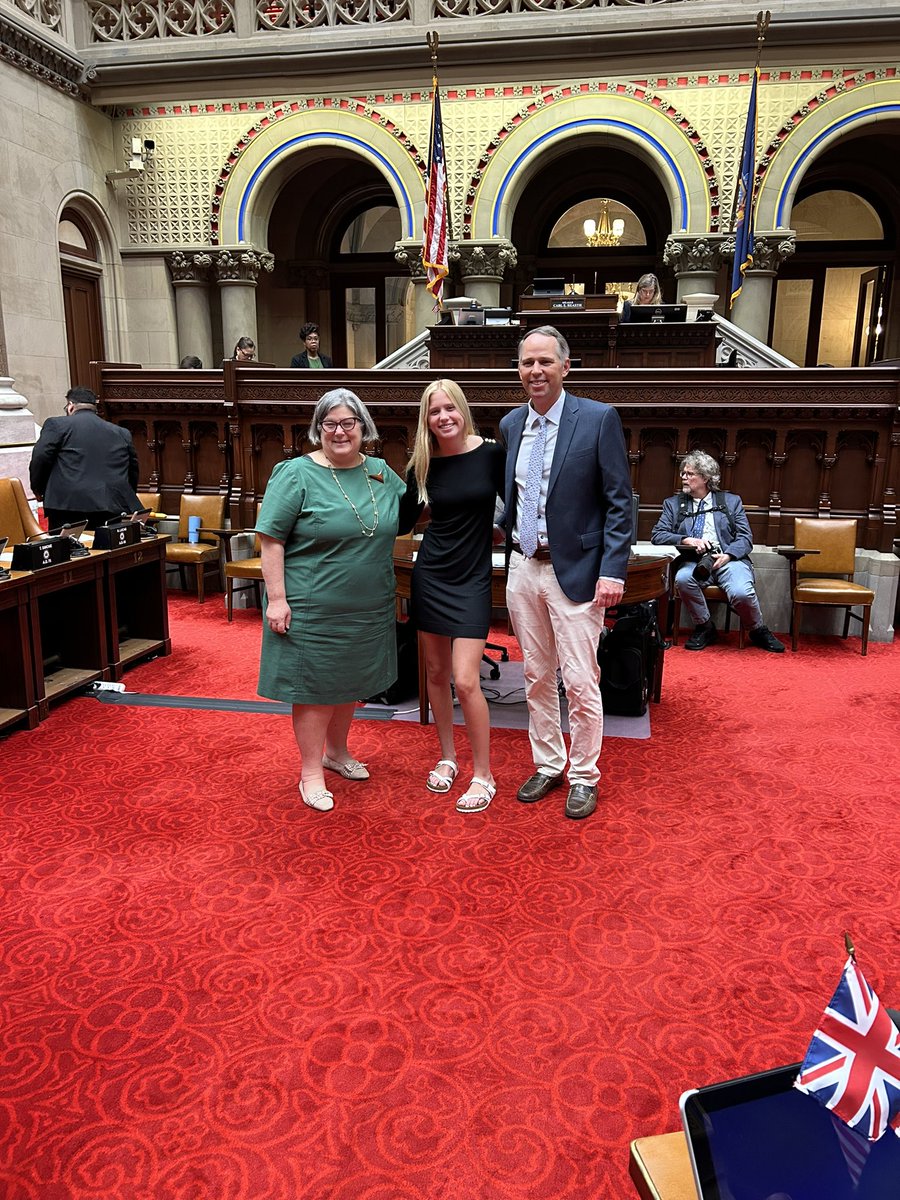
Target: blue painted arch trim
pixel 581 125
pixel 330 137
pixel 872 111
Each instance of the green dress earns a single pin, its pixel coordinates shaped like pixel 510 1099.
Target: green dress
pixel 339 583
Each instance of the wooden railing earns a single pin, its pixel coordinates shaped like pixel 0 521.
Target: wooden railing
pixel 793 443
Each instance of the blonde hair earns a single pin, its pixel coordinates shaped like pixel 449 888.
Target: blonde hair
pixel 425 443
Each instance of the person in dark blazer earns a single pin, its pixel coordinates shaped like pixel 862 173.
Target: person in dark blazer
pixel 84 468
pixel 311 357
pixel 569 530
pixel 711 529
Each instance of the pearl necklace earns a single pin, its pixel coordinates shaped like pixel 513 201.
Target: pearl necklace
pixel 366 531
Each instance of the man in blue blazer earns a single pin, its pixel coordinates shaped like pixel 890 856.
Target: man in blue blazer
pixel 568 528
pixel 703 521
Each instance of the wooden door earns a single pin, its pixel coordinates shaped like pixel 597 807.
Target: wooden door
pixel 84 326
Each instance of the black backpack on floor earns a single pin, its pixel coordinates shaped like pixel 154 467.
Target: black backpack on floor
pixel 627 656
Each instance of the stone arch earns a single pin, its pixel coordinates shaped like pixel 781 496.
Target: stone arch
pixel 107 261
pixel 267 155
pixel 824 120
pixel 654 131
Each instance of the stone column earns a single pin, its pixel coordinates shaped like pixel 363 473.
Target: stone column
pixel 483 266
pixel 17 434
pixel 696 261
pixel 237 270
pixel 751 309
pixel 190 278
pixel 409 254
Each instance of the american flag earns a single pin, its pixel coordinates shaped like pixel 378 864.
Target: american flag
pixel 743 224
pixel 852 1065
pixel 434 251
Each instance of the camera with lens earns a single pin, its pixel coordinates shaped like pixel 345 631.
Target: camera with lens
pixel 704 567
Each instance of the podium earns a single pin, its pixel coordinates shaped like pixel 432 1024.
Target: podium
pixel 592 327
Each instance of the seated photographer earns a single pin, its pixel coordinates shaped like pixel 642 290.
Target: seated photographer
pixel 712 531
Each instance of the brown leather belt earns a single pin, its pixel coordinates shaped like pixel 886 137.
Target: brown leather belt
pixel 542 554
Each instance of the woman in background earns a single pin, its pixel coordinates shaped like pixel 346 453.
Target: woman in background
pixel 327 526
pixel 244 350
pixel 459 475
pixel 647 290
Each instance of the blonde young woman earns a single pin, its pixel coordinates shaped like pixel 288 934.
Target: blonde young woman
pixel 458 475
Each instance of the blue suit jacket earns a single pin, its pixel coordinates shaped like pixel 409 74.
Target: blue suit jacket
pixel 589 497
pixel 669 530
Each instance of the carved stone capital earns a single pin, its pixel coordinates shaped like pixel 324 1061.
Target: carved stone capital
pixel 409 254
pixel 187 266
pixel 488 260
pixel 242 266
pixel 770 250
pixel 689 253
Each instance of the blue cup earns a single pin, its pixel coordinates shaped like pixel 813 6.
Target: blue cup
pixel 193 529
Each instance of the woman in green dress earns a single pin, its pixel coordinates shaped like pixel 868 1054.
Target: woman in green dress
pixel 327 526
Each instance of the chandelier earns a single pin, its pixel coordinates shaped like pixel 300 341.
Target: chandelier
pixel 604 232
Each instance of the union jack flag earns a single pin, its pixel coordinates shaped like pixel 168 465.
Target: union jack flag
pixel 852 1065
pixel 434 251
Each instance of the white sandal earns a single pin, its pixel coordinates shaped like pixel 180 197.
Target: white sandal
pixel 353 769
pixel 442 783
pixel 482 794
pixel 321 801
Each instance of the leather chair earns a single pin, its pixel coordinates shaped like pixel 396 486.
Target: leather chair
pixel 205 554
pixel 151 500
pixel 827 578
pixel 17 521
pixel 714 595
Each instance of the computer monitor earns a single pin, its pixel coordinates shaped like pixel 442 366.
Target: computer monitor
pixel 655 314
pixel 550 285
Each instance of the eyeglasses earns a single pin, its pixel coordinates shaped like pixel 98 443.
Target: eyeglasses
pixel 347 424
pixel 689 475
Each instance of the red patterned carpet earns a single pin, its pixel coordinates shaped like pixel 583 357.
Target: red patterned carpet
pixel 208 992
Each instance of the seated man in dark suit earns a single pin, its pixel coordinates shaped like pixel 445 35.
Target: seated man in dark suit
pixel 84 468
pixel 712 529
pixel 311 357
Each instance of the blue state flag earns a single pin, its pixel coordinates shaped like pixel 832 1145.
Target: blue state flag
pixel 743 223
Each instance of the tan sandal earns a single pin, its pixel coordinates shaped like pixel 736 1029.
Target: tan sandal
pixel 436 782
pixel 480 792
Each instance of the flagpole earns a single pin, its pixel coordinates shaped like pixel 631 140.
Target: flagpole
pixel 763 18
pixel 432 38
pixel 742 213
pixel 436 244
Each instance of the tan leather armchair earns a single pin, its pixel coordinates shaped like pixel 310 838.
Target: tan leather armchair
pixel 204 555
pixel 17 521
pixel 827 577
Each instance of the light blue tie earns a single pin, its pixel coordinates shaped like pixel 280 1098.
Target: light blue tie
pixel 528 525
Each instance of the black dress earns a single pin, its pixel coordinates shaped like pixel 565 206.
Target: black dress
pixel 451 581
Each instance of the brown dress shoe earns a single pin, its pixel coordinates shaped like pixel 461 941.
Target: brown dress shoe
pixel 581 801
pixel 537 787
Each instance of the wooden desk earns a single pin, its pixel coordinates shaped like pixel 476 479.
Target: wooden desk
pixel 138 611
pixel 660 1168
pixel 67 613
pixel 648 579
pixel 64 627
pixel 17 699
